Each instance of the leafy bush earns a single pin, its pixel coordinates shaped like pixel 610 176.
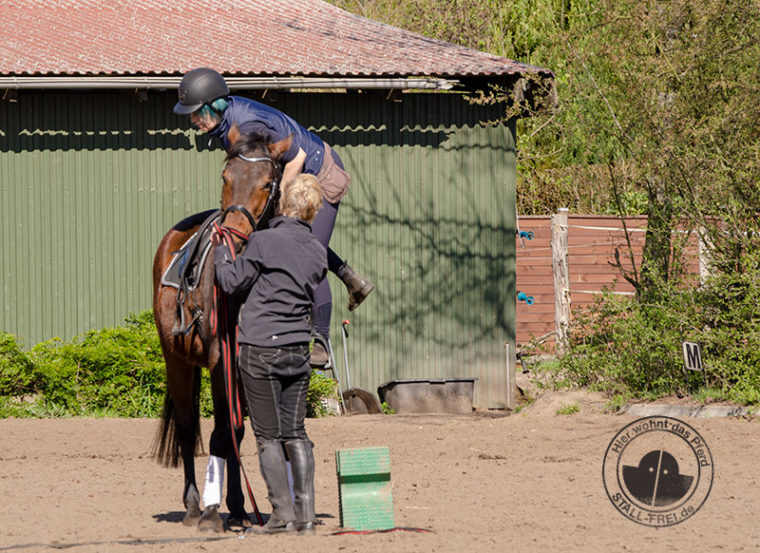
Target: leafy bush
pixel 17 375
pixel 631 349
pixel 320 388
pixel 116 372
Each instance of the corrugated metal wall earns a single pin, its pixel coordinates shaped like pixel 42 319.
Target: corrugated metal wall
pixel 90 182
pixel 89 185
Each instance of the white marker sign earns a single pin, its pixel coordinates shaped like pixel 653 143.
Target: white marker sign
pixel 692 357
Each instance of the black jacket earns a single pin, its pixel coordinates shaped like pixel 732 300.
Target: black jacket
pixel 279 271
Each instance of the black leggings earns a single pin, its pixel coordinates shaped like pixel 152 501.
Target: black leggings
pixel 275 383
pixel 322 228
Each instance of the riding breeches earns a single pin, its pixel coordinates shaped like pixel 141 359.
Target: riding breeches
pixel 275 383
pixel 322 228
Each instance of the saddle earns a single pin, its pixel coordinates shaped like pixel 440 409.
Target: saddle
pixel 186 267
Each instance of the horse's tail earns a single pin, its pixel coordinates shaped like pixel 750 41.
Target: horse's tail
pixel 166 448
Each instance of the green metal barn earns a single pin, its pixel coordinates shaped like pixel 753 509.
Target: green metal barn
pixel 95 168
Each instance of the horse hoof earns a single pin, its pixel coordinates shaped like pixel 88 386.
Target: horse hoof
pixel 242 522
pixel 210 521
pixel 191 519
pixel 192 504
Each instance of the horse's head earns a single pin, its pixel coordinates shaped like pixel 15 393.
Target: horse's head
pixel 251 177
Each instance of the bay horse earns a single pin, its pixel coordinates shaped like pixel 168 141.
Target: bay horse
pixel 250 176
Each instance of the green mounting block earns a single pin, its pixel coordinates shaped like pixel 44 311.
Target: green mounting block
pixel 364 486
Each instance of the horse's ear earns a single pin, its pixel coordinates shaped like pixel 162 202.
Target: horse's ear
pixel 234 134
pixel 278 148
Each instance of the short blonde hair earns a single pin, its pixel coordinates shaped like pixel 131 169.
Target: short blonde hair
pixel 301 198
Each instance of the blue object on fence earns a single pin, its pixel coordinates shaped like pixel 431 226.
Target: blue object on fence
pixel 524 235
pixel 522 296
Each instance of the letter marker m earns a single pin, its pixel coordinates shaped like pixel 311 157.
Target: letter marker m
pixel 692 357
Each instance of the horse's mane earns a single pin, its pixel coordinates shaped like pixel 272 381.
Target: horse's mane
pixel 248 143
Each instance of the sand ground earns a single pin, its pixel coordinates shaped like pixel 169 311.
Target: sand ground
pixel 530 481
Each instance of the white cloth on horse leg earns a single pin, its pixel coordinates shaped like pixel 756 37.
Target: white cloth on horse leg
pixel 212 489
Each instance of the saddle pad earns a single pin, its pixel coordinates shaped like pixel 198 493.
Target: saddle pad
pixel 179 269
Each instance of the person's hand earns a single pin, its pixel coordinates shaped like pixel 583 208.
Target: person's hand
pixel 216 239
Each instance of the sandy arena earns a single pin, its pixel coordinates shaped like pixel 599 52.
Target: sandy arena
pixel 531 481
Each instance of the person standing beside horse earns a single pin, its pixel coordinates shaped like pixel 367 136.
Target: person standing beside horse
pixel 278 274
pixel 204 95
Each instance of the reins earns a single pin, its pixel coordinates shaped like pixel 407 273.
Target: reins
pixel 224 321
pixel 224 326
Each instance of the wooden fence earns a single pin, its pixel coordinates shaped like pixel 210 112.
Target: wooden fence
pixel 560 272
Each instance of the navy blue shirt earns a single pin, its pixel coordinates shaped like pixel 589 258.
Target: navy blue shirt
pixel 279 270
pixel 252 116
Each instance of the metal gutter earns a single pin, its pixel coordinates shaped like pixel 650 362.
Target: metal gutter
pixel 242 83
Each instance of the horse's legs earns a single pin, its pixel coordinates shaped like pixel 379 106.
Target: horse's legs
pixel 190 497
pixel 221 446
pixel 182 381
pixel 235 496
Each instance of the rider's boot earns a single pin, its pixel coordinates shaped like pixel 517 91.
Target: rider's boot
pixel 273 469
pixel 301 455
pixel 358 286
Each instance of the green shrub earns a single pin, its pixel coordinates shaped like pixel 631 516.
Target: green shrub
pixel 387 409
pixel 631 349
pixel 320 389
pixel 114 371
pixel 117 372
pixel 17 374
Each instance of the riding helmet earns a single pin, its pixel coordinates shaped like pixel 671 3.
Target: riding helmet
pixel 199 86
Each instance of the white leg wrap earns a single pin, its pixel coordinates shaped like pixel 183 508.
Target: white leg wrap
pixel 212 489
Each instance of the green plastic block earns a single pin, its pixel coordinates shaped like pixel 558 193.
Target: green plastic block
pixel 364 486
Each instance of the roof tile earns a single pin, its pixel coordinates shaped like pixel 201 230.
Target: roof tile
pixel 245 37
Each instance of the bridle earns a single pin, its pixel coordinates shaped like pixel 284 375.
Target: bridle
pixel 269 207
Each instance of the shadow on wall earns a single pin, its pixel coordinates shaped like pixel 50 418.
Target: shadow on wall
pixel 441 270
pixel 115 120
pixel 440 255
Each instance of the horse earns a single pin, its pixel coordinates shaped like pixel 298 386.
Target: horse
pixel 250 177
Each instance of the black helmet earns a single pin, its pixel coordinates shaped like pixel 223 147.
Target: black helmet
pixel 199 86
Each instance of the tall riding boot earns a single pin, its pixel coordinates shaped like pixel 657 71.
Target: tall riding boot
pixel 273 469
pixel 301 456
pixel 358 287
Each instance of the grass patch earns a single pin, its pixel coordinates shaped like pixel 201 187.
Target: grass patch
pixel 568 409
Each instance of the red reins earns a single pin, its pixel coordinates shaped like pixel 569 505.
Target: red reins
pixel 224 326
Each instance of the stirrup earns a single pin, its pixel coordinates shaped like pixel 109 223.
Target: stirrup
pixel 322 360
pixel 179 324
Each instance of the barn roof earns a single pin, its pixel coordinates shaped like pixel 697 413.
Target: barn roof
pixel 272 38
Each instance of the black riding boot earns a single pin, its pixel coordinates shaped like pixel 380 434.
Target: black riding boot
pixel 358 287
pixel 274 471
pixel 301 455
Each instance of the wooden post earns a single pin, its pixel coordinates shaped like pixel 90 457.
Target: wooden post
pixel 561 278
pixel 509 360
pixel 703 254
